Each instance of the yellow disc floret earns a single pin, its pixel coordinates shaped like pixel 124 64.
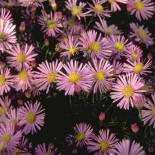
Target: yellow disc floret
pixel 73 78
pixel 128 91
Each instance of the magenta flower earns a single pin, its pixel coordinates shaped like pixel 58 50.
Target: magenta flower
pixel 5 80
pixel 47 74
pixel 143 9
pixel 141 34
pixel 148 113
pixel 74 75
pixel 9 137
pixel 50 24
pixel 126 89
pixel 31 117
pixel 103 144
pixel 21 56
pixel 102 75
pixel 127 146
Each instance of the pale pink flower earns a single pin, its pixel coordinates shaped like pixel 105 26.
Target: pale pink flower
pixel 5 15
pixel 31 117
pixel 31 3
pixel 117 67
pixel 21 56
pixel 141 34
pixel 126 89
pixel 9 3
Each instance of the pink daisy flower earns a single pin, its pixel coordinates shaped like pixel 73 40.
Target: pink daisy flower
pixel 141 34
pixel 69 46
pixel 98 46
pixel 143 9
pixel 30 3
pixel 97 8
pixel 138 67
pixel 9 3
pixel 120 45
pixel 114 6
pixel 77 9
pixel 83 133
pixel 5 15
pixel 9 137
pixel 73 76
pixel 102 71
pixel 117 67
pixel 5 80
pixel 31 117
pixel 126 89
pixel 43 149
pixel 126 146
pixel 21 56
pixel 148 113
pixel 50 24
pixel 23 80
pixel 7 35
pixel 107 30
pixel 103 144
pixel 47 74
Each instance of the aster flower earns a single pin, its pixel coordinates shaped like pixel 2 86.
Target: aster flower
pixel 126 146
pixel 141 34
pixel 117 67
pixel 98 46
pixel 69 46
pixel 23 80
pixel 5 15
pixel 73 76
pixel 5 80
pixel 30 3
pixel 103 144
pixel 7 35
pixel 102 71
pixel 83 133
pixel 9 137
pixel 77 9
pixel 50 24
pixel 120 45
pixel 47 74
pixel 126 89
pixel 98 9
pixel 143 9
pixel 115 6
pixel 8 3
pixel 21 56
pixel 107 30
pixel 148 112
pixel 31 117
pixel 43 149
pixel 137 67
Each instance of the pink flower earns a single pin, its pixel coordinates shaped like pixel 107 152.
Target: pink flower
pixel 31 117
pixel 31 3
pixel 5 16
pixel 134 127
pixel 126 146
pixel 21 56
pixel 126 89
pixel 103 144
pixel 74 74
pixel 47 74
pixel 143 9
pixel 9 3
pixel 102 116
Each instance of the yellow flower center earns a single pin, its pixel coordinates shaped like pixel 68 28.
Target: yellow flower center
pixel 46 153
pixel 74 78
pixel 13 122
pixel 20 58
pixel 3 111
pixel 134 55
pixel 99 76
pixel 153 110
pixel 71 23
pixel 51 77
pixel 108 30
pixel 18 150
pixel 51 24
pixel 95 47
pixel 2 80
pixel 142 34
pixel 138 68
pixel 99 8
pixel 30 117
pixel 111 1
pixel 1 146
pixel 119 46
pixel 76 11
pixel 128 91
pixel 139 6
pixel 23 75
pixel 2 37
pixel 72 50
pixel 6 138
pixel 103 146
pixel 80 136
pixel 9 4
